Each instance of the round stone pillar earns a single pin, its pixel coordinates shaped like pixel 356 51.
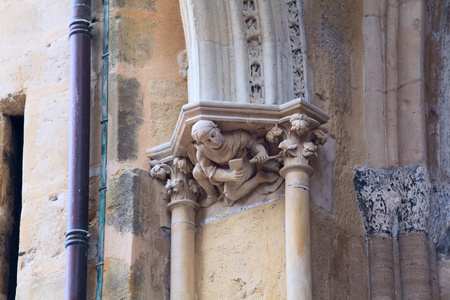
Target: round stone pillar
pixel 298 246
pixel 182 284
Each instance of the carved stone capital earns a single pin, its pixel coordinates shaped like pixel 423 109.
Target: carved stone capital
pixel 177 175
pixel 378 196
pixel 299 136
pixel 388 194
pixel 415 205
pixel 221 151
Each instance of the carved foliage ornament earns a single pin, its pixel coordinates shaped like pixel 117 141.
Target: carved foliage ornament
pixel 300 138
pixel 297 52
pixel 177 174
pixel 254 48
pixel 227 166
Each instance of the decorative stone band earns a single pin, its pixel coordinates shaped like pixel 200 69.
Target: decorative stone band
pixel 184 202
pixel 302 167
pixel 253 36
pixel 297 46
pixel 386 194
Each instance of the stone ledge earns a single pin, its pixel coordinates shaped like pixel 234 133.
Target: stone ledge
pixel 255 118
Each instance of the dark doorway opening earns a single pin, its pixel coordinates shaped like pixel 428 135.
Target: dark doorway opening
pixel 16 180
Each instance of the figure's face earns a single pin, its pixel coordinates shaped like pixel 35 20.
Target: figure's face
pixel 214 139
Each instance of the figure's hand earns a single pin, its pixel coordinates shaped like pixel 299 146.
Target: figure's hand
pixel 261 157
pixel 228 175
pixel 236 175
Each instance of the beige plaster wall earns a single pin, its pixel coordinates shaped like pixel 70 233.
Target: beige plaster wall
pixel 242 256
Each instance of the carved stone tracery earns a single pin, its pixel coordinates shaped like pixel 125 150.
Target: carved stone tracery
pixel 297 48
pixel 253 36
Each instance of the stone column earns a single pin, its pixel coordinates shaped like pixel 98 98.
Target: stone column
pixel 385 195
pixel 182 190
pixel 378 198
pixel 381 266
pixel 374 88
pixel 182 285
pixel 302 135
pixel 412 126
pixel 413 238
pixel 414 265
pixel 298 249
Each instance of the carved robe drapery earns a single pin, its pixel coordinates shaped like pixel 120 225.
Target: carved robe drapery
pixel 237 144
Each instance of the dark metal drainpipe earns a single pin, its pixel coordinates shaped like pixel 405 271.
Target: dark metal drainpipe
pixel 77 236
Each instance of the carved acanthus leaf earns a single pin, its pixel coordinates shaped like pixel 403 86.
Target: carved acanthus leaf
pixel 309 149
pixel 159 171
pixel 193 186
pixel 288 148
pixel 273 136
pixel 300 123
pixel 183 164
pixel 319 135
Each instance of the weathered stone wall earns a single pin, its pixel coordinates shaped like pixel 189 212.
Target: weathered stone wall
pixel 146 93
pixel 437 66
pixel 136 246
pixel 335 53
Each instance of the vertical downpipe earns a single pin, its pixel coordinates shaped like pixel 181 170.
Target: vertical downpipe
pixel 77 235
pixel 104 122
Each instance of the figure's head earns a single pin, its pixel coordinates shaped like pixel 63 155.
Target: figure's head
pixel 207 133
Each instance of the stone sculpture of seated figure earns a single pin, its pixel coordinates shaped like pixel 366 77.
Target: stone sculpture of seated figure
pixel 212 170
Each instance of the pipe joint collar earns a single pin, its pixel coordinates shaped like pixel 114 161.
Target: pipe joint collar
pixel 77 236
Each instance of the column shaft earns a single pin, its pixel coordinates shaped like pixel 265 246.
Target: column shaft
pixel 381 266
pixel 414 265
pixel 298 252
pixel 182 250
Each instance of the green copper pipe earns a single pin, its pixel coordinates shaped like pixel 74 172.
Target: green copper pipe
pixel 104 123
